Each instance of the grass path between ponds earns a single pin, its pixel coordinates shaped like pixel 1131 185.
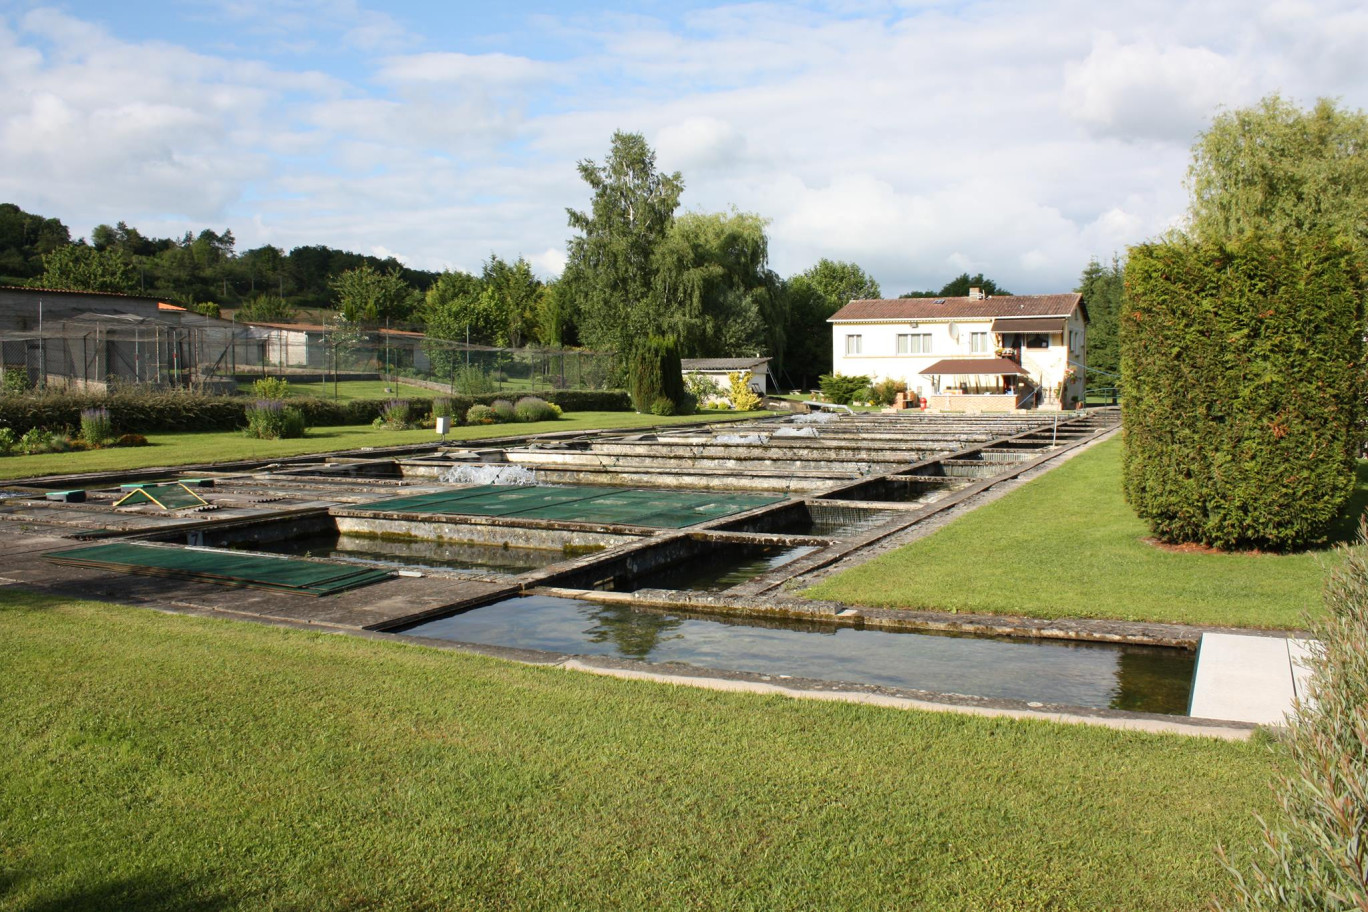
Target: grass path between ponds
pixel 1067 545
pixel 153 761
pixel 172 449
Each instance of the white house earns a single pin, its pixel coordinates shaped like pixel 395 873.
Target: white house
pixel 718 370
pixel 978 353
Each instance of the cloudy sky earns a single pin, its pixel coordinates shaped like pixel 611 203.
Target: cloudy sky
pixel 920 138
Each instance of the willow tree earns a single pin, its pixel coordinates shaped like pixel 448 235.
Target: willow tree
pixel 1277 169
pixel 718 294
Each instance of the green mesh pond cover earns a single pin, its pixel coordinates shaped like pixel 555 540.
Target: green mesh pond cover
pixel 174 496
pixel 222 567
pixel 622 506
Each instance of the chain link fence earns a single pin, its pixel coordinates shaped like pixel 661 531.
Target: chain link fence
pixel 105 352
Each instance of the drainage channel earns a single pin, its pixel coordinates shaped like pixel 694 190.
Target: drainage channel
pixel 1145 679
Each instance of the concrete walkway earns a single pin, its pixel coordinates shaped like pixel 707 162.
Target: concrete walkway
pixel 1243 678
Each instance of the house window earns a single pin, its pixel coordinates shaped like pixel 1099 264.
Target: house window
pixel 853 344
pixel 914 343
pixel 978 343
pixel 1037 340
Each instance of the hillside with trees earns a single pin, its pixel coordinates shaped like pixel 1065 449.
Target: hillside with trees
pixel 194 269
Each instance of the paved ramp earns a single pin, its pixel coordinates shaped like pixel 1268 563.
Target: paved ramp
pixel 1243 678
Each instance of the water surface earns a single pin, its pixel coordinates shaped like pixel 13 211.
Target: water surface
pixel 418 554
pixel 1098 675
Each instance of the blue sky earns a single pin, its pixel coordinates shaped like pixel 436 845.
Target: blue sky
pixel 919 139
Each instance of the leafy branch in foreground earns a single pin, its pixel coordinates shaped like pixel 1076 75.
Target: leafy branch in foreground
pixel 1317 857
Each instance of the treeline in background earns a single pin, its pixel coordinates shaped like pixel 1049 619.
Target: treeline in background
pixel 636 268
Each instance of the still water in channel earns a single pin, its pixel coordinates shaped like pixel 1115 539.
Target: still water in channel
pixel 419 554
pixel 1103 676
pixel 719 571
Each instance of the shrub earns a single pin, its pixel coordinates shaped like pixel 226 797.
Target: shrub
pixel 885 392
pixel 271 388
pixel 654 373
pixel 841 389
pixel 701 386
pixel 1315 858
pixel 472 380
pixel 591 400
pixel 743 398
pixel 147 411
pixel 266 308
pixel 503 410
pixel 480 414
pixel 7 441
pixel 131 440
pixel 270 419
pixel 441 407
pixel 96 429
pixel 16 379
pixel 35 440
pixel 396 414
pixel 531 408
pixel 663 406
pixel 1242 365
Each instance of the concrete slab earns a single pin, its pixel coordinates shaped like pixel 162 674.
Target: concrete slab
pixel 1243 678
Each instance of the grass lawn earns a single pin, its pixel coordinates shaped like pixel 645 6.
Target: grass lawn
pixel 1067 545
pixel 171 449
pixel 152 761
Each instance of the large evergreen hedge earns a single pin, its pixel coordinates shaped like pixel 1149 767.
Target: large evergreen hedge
pixel 1243 389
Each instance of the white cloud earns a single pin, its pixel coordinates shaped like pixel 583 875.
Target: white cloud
pixel 450 67
pixel 550 263
pixel 920 140
pixel 1141 91
pixel 384 252
pixel 699 143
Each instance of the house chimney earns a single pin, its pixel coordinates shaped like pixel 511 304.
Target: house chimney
pixel 976 294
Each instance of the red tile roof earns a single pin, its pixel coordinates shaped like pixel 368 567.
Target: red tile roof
pixel 1055 305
